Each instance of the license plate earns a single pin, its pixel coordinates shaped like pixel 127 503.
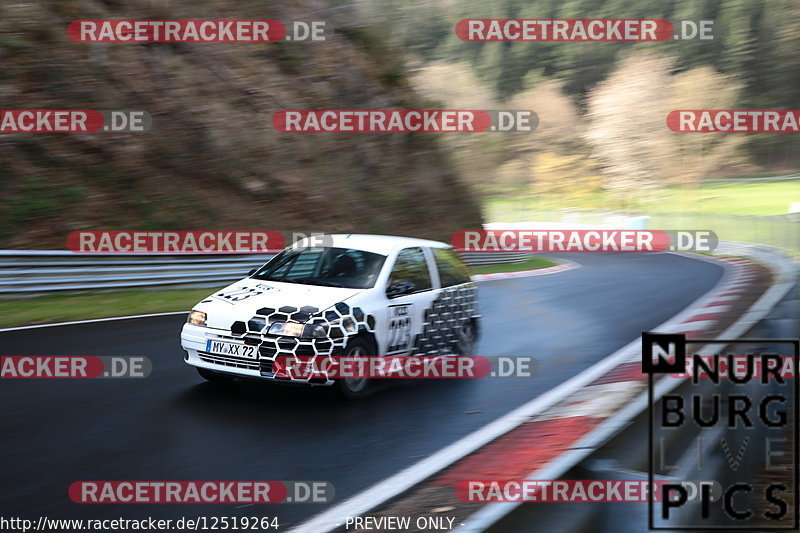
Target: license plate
pixel 232 349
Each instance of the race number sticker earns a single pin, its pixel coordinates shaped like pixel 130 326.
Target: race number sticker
pixel 400 322
pixel 242 293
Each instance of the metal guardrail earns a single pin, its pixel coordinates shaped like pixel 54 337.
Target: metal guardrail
pixel 43 271
pixel 29 272
pixel 476 259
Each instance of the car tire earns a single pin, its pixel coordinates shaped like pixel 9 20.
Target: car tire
pixel 467 339
pixel 215 377
pixel 355 388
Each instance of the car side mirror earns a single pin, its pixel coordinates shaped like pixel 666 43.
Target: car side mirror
pixel 399 289
pixel 253 271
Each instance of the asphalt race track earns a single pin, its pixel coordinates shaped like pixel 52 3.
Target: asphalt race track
pixel 174 426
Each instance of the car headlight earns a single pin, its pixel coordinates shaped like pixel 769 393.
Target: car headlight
pixel 198 318
pixel 295 329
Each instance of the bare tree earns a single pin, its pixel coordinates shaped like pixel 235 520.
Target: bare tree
pixel 559 118
pixel 700 154
pixel 627 125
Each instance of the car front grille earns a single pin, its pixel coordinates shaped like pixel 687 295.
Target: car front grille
pixel 226 360
pixel 252 337
pixel 269 347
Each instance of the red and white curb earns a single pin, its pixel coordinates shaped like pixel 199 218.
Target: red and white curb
pixel 706 316
pixel 563 266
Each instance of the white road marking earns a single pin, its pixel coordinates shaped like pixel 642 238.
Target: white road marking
pixel 698 325
pixel 93 320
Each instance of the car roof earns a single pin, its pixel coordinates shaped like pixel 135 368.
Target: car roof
pixel 379 244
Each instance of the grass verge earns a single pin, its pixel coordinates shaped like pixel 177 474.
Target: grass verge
pixel 534 263
pixel 728 198
pixel 66 307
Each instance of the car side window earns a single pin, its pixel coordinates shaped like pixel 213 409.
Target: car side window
pixel 411 267
pixel 452 271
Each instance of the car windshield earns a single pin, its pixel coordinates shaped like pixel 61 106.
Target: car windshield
pixel 325 266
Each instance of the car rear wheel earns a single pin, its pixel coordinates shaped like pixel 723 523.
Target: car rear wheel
pixel 355 388
pixel 215 377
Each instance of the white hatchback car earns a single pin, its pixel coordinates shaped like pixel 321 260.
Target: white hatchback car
pixel 356 295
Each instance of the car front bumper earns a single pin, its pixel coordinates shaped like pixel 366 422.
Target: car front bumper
pixel 194 340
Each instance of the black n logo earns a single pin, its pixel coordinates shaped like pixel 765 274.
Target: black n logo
pixel 663 353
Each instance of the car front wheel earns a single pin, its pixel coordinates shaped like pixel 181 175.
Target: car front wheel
pixel 466 339
pixel 355 388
